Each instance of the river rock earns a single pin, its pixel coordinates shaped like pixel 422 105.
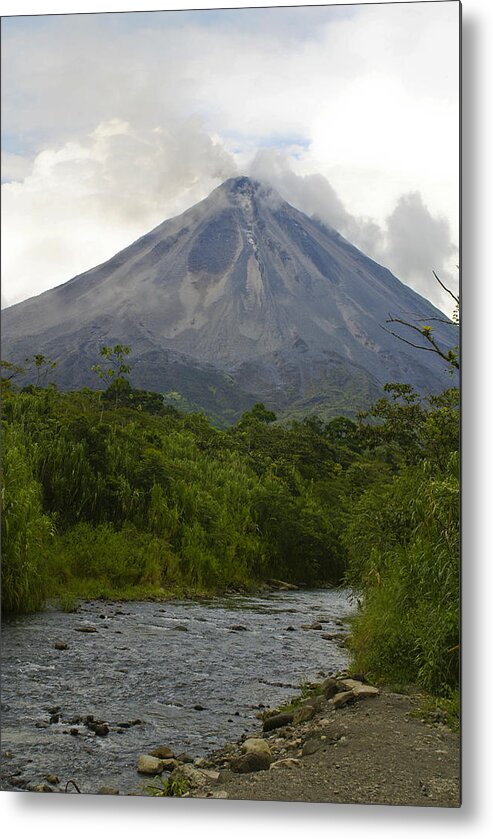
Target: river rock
pixel 85 628
pixel 333 636
pixel 350 684
pixel 149 765
pixel 60 645
pixel 314 625
pixel 277 721
pixel 238 627
pixel 43 788
pixel 163 752
pixel 101 729
pixel 286 763
pixel 183 757
pixel 365 691
pixel 170 764
pixel 304 714
pixel 52 779
pixel 282 585
pixel 341 699
pixel 315 702
pixel 330 687
pixel 195 777
pixel 108 791
pixel 180 628
pixel 257 746
pixel 250 762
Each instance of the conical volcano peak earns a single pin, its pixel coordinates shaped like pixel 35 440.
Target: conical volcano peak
pixel 242 191
pixel 242 185
pixel 278 307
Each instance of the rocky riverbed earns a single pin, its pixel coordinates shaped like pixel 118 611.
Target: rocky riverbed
pixel 339 741
pixel 349 743
pixel 84 694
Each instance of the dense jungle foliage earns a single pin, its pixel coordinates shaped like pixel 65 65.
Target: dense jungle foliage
pixel 114 494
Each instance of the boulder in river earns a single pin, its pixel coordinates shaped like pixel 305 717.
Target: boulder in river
pixel 42 788
pixel 101 729
pixel 60 645
pixel 163 752
pixel 149 765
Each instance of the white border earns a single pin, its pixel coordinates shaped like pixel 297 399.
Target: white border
pixel 58 816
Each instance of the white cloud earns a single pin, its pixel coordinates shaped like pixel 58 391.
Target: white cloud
pixel 411 241
pixel 355 96
pixel 86 200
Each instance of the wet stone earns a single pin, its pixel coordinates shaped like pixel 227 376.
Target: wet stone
pixel 162 752
pixel 101 730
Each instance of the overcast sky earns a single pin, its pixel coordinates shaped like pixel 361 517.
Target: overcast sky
pixel 114 122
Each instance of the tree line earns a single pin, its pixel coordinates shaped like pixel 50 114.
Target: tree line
pixel 112 493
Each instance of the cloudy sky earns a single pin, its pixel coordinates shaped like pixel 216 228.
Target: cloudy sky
pixel 114 122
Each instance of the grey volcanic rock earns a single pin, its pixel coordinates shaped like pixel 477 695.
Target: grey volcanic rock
pixel 240 299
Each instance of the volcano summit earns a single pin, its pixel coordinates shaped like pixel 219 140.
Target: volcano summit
pixel 240 299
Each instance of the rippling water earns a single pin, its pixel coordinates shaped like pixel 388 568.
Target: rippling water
pixel 158 663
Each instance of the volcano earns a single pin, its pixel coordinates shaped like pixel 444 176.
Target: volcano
pixel 240 299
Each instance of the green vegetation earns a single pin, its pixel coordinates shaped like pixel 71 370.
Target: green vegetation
pixel 115 493
pixel 403 549
pixel 167 788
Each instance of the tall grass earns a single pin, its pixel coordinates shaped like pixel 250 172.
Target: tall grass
pixel 408 630
pixel 25 529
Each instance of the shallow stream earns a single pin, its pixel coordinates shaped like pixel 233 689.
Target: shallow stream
pixel 190 675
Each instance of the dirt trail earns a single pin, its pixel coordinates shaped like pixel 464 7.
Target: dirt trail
pixel 372 751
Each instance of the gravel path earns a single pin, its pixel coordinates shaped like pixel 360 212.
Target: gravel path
pixel 374 751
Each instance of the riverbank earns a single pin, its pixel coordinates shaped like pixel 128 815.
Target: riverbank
pixel 358 746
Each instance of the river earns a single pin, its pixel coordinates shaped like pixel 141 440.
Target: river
pixel 179 673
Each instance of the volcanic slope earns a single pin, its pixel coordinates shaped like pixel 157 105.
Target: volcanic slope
pixel 242 298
